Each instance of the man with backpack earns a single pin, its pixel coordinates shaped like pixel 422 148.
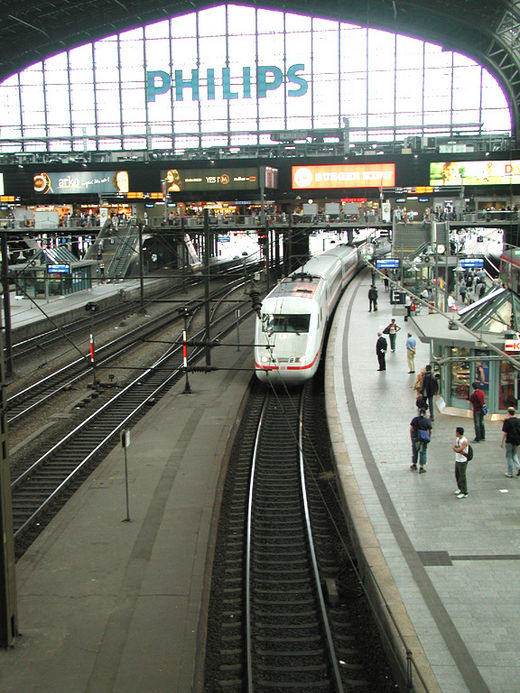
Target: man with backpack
pixel 463 454
pixel 429 388
pixel 420 435
pixel 511 437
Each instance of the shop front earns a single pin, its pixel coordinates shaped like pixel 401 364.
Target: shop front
pixel 461 357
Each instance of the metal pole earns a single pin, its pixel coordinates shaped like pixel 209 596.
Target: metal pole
pixel 268 254
pixel 446 253
pixel 127 519
pixel 7 307
pixel 93 352
pixel 262 195
pixel 187 388
pixel 207 249
pixel 8 612
pixel 141 275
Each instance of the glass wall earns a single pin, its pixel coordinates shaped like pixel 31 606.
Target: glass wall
pixel 230 75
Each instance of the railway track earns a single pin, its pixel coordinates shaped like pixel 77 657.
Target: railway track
pixel 28 400
pixel 285 610
pixel 49 479
pixel 45 341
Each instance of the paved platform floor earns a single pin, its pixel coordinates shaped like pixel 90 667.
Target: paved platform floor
pixel 454 561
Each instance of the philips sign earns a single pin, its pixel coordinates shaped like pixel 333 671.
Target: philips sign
pixel 209 86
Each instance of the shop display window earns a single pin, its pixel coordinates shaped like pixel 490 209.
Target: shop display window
pixel 460 374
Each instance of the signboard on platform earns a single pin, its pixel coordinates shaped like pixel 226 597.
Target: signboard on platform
pixel 388 263
pixel 58 269
pixel 471 262
pixel 397 298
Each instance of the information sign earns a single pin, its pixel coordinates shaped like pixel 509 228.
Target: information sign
pixel 470 262
pixel 388 263
pixel 58 269
pixel 397 298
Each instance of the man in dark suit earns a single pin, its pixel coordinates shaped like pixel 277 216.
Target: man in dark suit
pixel 381 347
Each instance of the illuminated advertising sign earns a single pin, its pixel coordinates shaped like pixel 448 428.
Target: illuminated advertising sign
pixel 196 179
pixel 214 84
pixel 81 182
pixel 343 176
pixel 512 345
pixel 474 172
pixel 2 192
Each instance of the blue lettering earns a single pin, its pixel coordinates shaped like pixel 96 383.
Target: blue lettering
pixel 181 83
pixel 263 86
pixel 210 72
pixel 296 79
pixel 226 85
pixel 152 89
pixel 246 79
pixel 268 78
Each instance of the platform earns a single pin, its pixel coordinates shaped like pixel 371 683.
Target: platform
pixel 28 315
pixel 447 566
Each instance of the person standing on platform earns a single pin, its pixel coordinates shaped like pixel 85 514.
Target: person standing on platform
pixel 391 330
pixel 511 437
pixel 429 388
pixel 372 298
pixel 381 347
pixel 386 281
pixel 411 348
pixel 477 402
pixel 461 462
pixel 420 435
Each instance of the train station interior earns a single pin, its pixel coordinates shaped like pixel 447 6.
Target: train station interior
pixel 142 141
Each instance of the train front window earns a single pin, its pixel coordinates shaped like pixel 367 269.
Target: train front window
pixel 285 323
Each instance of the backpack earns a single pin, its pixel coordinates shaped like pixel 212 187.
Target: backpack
pixel 515 433
pixel 469 454
pixel 423 434
pixel 421 402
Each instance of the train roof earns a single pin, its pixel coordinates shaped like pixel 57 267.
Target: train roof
pixel 322 264
pixel 297 285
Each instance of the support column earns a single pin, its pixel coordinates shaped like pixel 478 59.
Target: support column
pixel 8 615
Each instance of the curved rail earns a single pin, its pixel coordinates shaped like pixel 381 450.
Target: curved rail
pixel 288 636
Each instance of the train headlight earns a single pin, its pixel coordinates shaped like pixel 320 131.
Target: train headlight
pixel 299 359
pixel 265 359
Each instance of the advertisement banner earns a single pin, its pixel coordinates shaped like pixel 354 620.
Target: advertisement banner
pixel 77 182
pixel 505 172
pixel 343 176
pixel 196 179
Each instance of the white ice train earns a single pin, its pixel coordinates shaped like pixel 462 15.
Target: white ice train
pixel 290 330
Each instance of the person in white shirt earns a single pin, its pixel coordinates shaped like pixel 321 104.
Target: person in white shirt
pixel 461 463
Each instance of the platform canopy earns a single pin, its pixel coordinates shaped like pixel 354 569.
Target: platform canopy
pixel 484 30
